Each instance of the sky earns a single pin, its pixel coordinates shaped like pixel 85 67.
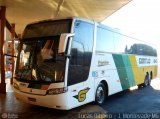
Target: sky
pixel 140 19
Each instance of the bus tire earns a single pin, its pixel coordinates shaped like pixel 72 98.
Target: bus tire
pixel 147 80
pixel 151 77
pixel 140 86
pixel 101 94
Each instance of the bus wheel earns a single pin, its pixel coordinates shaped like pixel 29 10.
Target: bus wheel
pixel 100 94
pixel 147 80
pixel 151 77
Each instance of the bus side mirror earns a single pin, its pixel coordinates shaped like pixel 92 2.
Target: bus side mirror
pixel 63 42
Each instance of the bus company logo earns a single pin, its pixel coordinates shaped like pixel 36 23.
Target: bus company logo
pixel 102 63
pixel 144 60
pixel 81 95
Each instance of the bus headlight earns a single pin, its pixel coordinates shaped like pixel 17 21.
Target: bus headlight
pixel 54 91
pixel 16 86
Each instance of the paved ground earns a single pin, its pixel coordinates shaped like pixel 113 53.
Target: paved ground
pixel 143 100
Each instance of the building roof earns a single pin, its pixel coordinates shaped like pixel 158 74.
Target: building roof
pixel 22 12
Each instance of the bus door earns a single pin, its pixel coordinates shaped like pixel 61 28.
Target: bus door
pixel 77 75
pixel 80 84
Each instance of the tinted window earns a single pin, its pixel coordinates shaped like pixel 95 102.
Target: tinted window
pixel 105 41
pixel 142 49
pixel 128 45
pixel 81 52
pixel 48 28
pixel 120 43
pixel 77 53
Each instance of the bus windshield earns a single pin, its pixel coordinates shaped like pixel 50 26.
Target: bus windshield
pixel 38 60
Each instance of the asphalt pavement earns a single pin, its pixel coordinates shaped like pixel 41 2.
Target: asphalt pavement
pixel 142 102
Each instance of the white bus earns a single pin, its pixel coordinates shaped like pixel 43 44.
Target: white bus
pixel 66 63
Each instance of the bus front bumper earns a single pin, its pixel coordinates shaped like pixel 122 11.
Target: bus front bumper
pixel 52 101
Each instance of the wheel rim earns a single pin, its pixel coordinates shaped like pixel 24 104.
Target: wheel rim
pixel 146 82
pixel 149 81
pixel 100 95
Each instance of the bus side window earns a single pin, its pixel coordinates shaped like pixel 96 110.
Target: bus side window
pixel 105 40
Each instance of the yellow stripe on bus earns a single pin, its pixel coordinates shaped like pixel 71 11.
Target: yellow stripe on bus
pixel 140 72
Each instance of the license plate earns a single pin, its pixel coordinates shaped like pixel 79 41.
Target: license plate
pixel 32 99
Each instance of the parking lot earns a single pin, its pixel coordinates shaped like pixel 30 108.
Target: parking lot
pixel 144 100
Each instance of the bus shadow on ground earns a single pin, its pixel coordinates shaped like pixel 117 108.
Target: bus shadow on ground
pixel 141 100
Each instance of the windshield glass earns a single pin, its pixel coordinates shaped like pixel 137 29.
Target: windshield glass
pixel 38 60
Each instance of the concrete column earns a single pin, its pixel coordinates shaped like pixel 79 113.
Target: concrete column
pixel 2 71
